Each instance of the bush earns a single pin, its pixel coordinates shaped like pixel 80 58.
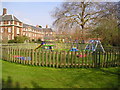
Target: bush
pixel 11 41
pixel 38 41
pixel 20 39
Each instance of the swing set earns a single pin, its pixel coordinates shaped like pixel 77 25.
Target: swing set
pixel 94 45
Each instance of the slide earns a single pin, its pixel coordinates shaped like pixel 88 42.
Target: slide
pixel 38 47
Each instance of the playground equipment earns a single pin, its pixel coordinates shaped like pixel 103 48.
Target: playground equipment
pixel 74 49
pixel 48 47
pixel 75 43
pixel 22 58
pixel 94 45
pixel 84 55
pixel 74 46
pixel 45 46
pixel 40 45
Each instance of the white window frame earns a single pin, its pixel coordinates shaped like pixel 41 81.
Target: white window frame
pixel 23 29
pixel 23 33
pixel 1 37
pixel 9 29
pixel 18 31
pixel 26 34
pixel 12 22
pixel 2 30
pixel 8 37
pixel 18 24
pixel 29 34
pixel 0 22
pixel 9 22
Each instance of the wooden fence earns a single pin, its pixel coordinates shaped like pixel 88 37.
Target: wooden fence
pixel 61 58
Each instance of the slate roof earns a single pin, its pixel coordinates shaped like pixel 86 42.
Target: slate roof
pixel 12 17
pixel 8 18
pixel 36 28
pixel 47 29
pixel 33 27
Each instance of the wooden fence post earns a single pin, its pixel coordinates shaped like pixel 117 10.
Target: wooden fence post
pixel 79 62
pixel 32 51
pixel 60 59
pixel 107 63
pixel 46 58
pixel 86 59
pixel 29 54
pixel 93 59
pixel 57 58
pixel 72 53
pixel 68 59
pixel 35 57
pixel 53 59
pixel 42 58
pixel 50 52
pixel 99 63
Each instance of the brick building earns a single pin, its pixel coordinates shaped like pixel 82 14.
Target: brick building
pixel 10 27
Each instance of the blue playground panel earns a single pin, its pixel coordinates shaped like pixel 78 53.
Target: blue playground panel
pixel 24 58
pixel 74 49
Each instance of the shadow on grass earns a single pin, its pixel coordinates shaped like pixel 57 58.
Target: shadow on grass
pixel 82 77
pixel 10 84
pixel 35 85
pixel 117 72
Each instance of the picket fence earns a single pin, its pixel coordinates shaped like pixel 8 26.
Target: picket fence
pixel 57 59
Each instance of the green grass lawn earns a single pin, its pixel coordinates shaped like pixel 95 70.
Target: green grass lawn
pixel 24 76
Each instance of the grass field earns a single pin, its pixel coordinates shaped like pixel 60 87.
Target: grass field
pixel 24 76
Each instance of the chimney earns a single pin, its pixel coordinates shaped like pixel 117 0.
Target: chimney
pixel 37 26
pixel 4 11
pixel 46 26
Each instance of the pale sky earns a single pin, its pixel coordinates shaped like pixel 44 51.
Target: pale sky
pixel 34 13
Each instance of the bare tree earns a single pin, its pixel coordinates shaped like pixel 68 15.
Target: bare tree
pixel 108 26
pixel 78 14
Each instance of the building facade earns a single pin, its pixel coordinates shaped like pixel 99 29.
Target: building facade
pixel 10 27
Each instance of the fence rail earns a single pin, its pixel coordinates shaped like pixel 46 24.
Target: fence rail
pixel 61 58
